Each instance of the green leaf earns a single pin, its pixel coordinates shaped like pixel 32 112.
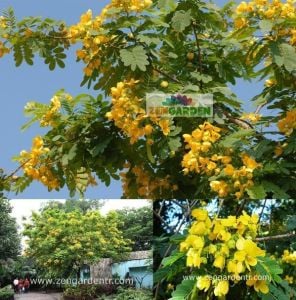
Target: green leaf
pixel 100 147
pixel 183 290
pixel 291 222
pixel 202 77
pixel 267 266
pixel 149 39
pixel 181 20
pixel 175 131
pixel 168 5
pixel 134 57
pixel 73 151
pixel 236 137
pixel 81 179
pixel 168 261
pixel 52 65
pixel 284 55
pixel 261 148
pixel 278 193
pixel 257 191
pixel 174 143
pixel 265 25
pixel 60 63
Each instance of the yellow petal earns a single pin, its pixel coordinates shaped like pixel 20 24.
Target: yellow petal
pixel 240 255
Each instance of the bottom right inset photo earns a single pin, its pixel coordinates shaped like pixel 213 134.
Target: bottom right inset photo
pixel 215 249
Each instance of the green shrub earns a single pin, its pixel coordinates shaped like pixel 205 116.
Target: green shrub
pixel 6 293
pixel 133 294
pixel 81 292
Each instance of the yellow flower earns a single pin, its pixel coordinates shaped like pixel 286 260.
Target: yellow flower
pixel 193 258
pixel 165 126
pixel 229 222
pixel 278 150
pixel 288 123
pixel 240 23
pixel 254 118
pixel 198 228
pixel 289 257
pixel 270 82
pixel 222 288
pixel 249 162
pixel 247 252
pixel 235 267
pixel 289 279
pixel 244 7
pixel 199 214
pixel 259 285
pixel 193 241
pixel 203 283
pixel 219 186
pixel 229 170
pixel 219 262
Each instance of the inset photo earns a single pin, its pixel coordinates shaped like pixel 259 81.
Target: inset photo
pixel 212 250
pixel 76 249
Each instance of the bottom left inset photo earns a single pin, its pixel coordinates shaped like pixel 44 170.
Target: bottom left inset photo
pixel 75 249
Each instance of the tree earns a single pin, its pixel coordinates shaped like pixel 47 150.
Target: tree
pixel 70 205
pixel 137 226
pixel 9 242
pixel 9 237
pixel 172 47
pixel 135 48
pixel 61 242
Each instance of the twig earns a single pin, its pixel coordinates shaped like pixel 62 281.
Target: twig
pixel 165 74
pixel 198 47
pixel 14 172
pixel 160 218
pixel 260 216
pixel 220 206
pixel 170 246
pixel 242 123
pixel 259 107
pixel 276 237
pixel 240 208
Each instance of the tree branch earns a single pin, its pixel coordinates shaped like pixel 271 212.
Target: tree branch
pixel 242 123
pixel 198 48
pixel 165 74
pixel 276 237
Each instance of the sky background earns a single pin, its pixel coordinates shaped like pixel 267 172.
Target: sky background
pixel 37 83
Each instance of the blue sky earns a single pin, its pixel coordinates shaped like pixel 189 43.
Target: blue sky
pixel 26 83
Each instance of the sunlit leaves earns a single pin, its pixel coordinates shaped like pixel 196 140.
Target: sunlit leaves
pixel 134 58
pixel 181 20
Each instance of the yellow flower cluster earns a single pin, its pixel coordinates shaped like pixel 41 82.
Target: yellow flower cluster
pixel 202 158
pixel 130 5
pixel 89 31
pixel 3 50
pixel 129 115
pixel 84 31
pixel 48 118
pixel 3 22
pixel 289 279
pixel 289 257
pixel 254 118
pixel 227 245
pixel 288 123
pixel 36 166
pixel 146 186
pixel 264 9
